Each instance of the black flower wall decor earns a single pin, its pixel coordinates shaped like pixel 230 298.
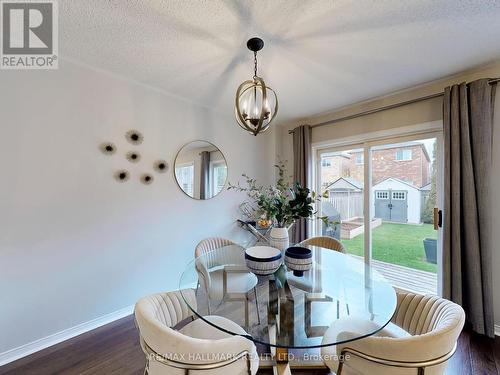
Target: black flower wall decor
pixel 134 137
pixel 161 166
pixel 147 179
pixel 107 148
pixel 122 175
pixel 133 156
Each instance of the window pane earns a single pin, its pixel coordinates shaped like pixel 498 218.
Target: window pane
pixel 403 154
pixel 343 181
pixel 404 243
pixel 326 162
pixel 360 158
pixel 219 174
pixel 185 177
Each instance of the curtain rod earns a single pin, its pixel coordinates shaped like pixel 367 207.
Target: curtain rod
pixel 385 108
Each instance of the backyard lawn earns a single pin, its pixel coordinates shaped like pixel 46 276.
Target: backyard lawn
pixel 397 244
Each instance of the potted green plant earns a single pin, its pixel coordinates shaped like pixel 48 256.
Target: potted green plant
pixel 282 203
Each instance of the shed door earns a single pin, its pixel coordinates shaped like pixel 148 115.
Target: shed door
pixel 382 204
pixel 391 205
pixel 399 206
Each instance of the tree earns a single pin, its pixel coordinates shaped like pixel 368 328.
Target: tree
pixel 430 203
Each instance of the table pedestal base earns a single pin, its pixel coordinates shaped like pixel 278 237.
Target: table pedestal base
pixel 280 315
pixel 282 364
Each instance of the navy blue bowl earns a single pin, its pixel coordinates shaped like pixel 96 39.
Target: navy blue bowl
pixel 298 252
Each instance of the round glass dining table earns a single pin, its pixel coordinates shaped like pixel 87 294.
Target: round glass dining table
pixel 339 299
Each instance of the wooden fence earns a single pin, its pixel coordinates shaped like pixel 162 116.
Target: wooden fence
pixel 348 204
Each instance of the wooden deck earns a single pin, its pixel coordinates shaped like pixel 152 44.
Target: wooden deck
pixel 407 278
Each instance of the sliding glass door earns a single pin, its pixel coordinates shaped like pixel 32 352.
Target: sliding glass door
pixel 381 198
pixel 342 178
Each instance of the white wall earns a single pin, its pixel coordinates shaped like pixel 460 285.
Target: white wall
pixel 74 243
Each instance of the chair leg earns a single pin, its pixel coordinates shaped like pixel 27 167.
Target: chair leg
pixel 249 367
pixel 247 320
pixel 208 306
pixel 256 304
pixel 339 369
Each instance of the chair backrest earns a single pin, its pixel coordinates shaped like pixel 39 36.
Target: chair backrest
pixel 228 254
pixel 326 242
pixel 167 308
pixel 157 314
pixel 210 244
pixel 420 314
pixel 434 325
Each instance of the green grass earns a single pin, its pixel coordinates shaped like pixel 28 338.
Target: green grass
pixel 397 244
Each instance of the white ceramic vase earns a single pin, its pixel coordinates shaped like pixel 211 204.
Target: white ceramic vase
pixel 278 238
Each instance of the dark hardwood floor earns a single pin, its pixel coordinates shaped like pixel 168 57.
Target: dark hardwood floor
pixel 114 349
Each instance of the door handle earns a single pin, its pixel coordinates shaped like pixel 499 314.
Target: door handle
pixel 438 218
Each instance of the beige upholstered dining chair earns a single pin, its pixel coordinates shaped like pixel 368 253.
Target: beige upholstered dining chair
pixel 326 242
pixel 219 282
pixel 198 347
pixel 420 339
pixel 209 244
pixel 315 293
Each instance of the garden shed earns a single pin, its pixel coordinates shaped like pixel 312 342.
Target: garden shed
pixel 397 201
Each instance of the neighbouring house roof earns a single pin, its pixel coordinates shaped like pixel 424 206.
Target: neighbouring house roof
pixel 426 187
pixel 343 154
pixel 397 180
pixel 345 183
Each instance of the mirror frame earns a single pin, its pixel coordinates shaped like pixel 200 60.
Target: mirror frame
pixel 175 162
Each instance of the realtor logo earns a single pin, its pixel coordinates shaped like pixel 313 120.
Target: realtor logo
pixel 29 34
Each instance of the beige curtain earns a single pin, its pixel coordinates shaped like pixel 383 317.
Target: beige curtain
pixel 467 251
pixel 301 171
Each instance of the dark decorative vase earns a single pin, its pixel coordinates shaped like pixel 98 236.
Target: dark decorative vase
pixel 298 259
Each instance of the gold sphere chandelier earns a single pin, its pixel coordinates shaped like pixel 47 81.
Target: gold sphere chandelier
pixel 256 104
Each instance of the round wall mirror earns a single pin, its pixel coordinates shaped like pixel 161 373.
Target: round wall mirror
pixel 200 170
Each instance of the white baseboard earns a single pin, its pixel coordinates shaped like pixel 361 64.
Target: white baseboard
pixel 497 330
pixel 37 345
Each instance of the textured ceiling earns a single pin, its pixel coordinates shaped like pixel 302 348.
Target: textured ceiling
pixel 319 55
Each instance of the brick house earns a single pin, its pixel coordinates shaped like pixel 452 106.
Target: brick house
pixel 409 162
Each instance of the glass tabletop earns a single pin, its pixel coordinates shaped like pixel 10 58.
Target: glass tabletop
pixel 339 299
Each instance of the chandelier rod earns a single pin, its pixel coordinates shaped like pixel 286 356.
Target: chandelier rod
pixel 254 64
